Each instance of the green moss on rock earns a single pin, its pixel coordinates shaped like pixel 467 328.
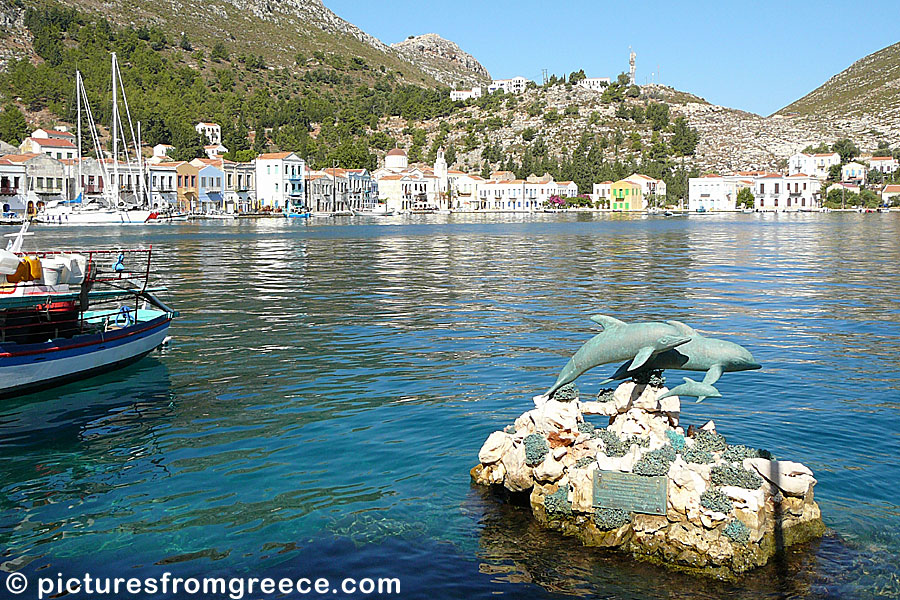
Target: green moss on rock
pixel 655 462
pixel 709 441
pixel 583 462
pixel 607 519
pixel 612 445
pixel 585 427
pixel 606 395
pixel 739 452
pixel 536 449
pixel 729 474
pixel 566 393
pixel 737 532
pixel 700 457
pixel 676 439
pixel 557 503
pixel 715 499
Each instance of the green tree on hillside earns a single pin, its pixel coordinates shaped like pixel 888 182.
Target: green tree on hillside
pixel 684 138
pixel 218 52
pixel 658 115
pixel 846 149
pixel 185 43
pixel 13 126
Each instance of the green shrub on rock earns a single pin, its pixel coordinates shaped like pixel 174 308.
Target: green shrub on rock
pixel 606 395
pixel 607 519
pixel 709 441
pixel 739 452
pixel 585 427
pixel 700 457
pixel 715 499
pixel 655 462
pixel 557 503
pixel 734 475
pixel 566 393
pixel 583 462
pixel 737 532
pixel 652 378
pixel 536 449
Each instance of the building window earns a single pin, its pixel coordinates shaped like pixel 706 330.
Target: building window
pixel 776 191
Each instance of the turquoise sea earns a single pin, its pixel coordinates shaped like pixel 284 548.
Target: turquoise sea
pixel 330 383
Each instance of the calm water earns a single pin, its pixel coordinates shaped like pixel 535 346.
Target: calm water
pixel 329 386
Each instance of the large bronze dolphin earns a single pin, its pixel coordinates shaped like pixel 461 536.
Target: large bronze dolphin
pixel 701 353
pixel 636 343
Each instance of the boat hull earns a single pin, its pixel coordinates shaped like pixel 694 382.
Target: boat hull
pixel 91 217
pixel 28 367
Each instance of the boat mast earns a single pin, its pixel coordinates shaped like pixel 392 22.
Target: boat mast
pixel 78 184
pixel 115 137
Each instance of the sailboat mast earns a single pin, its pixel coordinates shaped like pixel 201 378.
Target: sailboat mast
pixel 79 183
pixel 115 136
pixel 140 167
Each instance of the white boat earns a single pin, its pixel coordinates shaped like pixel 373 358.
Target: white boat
pixel 64 214
pixel 67 316
pixel 219 216
pixel 374 212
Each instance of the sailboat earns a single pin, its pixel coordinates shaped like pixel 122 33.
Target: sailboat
pixel 111 209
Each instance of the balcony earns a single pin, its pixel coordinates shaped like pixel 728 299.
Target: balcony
pixel 93 189
pixel 8 191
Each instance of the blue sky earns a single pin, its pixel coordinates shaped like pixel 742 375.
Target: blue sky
pixel 755 56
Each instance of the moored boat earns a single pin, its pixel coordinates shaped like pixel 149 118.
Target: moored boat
pixel 66 316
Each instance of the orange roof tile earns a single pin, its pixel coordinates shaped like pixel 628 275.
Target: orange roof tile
pixel 274 155
pixel 52 142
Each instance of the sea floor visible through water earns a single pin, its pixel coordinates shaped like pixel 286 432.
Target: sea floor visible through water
pixel 330 383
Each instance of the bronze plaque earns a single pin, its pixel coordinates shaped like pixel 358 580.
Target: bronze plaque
pixel 630 492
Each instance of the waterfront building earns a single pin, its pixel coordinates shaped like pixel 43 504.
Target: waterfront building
pixel 199 186
pixel 601 193
pixel 163 185
pixel 883 164
pixel 463 190
pixel 566 189
pixel 516 85
pixel 54 147
pixel 816 165
pixel 240 185
pixel 12 186
pixel 649 185
pixel 890 194
pixel 457 95
pixel 211 131
pixel 595 84
pixel 781 193
pixel 712 192
pixel 362 192
pixel 401 187
pixel 626 196
pixel 854 172
pixel 46 179
pixel 279 179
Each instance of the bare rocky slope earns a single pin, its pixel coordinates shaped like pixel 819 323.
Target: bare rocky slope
pixel 443 60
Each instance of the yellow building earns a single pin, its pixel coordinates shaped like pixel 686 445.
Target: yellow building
pixel 626 195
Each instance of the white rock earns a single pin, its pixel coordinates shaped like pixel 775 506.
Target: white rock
pixel 549 470
pixel 518 474
pixel 792 478
pixel 711 518
pixel 607 409
pixel 558 453
pixel 710 426
pixel 751 500
pixel 541 400
pixel 497 444
pixel 625 464
pixel 557 416
pixel 581 489
pixel 684 477
pixel 525 423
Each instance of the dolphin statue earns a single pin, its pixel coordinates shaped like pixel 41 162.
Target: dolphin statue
pixel 701 353
pixel 637 343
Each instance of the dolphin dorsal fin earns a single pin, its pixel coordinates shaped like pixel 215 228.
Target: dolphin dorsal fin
pixel 607 322
pixel 682 328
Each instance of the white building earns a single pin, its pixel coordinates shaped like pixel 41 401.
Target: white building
pixel 522 195
pixel 649 185
pixel 161 151
pixel 601 193
pixel 816 165
pixel 212 132
pixel 854 173
pixel 884 164
pixel 776 192
pixel 457 95
pixel 54 147
pixel 214 150
pixel 516 85
pixel 163 185
pixel 402 188
pixel 463 190
pixel 12 186
pixel 279 179
pixel 595 84
pixel 712 193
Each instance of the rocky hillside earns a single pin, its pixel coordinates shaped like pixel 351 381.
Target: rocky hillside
pixel 865 97
pixel 443 60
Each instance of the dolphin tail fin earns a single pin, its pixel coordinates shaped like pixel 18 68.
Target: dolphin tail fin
pixel 607 322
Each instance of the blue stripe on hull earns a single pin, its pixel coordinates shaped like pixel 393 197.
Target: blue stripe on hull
pixel 84 344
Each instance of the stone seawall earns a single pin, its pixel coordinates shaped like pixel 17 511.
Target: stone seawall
pixel 728 508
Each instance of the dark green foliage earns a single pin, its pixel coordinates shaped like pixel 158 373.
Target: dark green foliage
pixel 557 503
pixel 607 519
pixel 693 455
pixel 583 462
pixel 737 532
pixel 709 441
pixel 847 149
pixel 185 43
pixel 684 138
pixel 612 445
pixel 606 395
pixel 585 427
pixel 655 462
pixel 739 452
pixel 13 126
pixel 651 378
pixel 676 439
pixel 536 449
pixel 658 115
pixel 745 198
pixel 218 52
pixel 729 474
pixel 715 499
pixel 566 393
